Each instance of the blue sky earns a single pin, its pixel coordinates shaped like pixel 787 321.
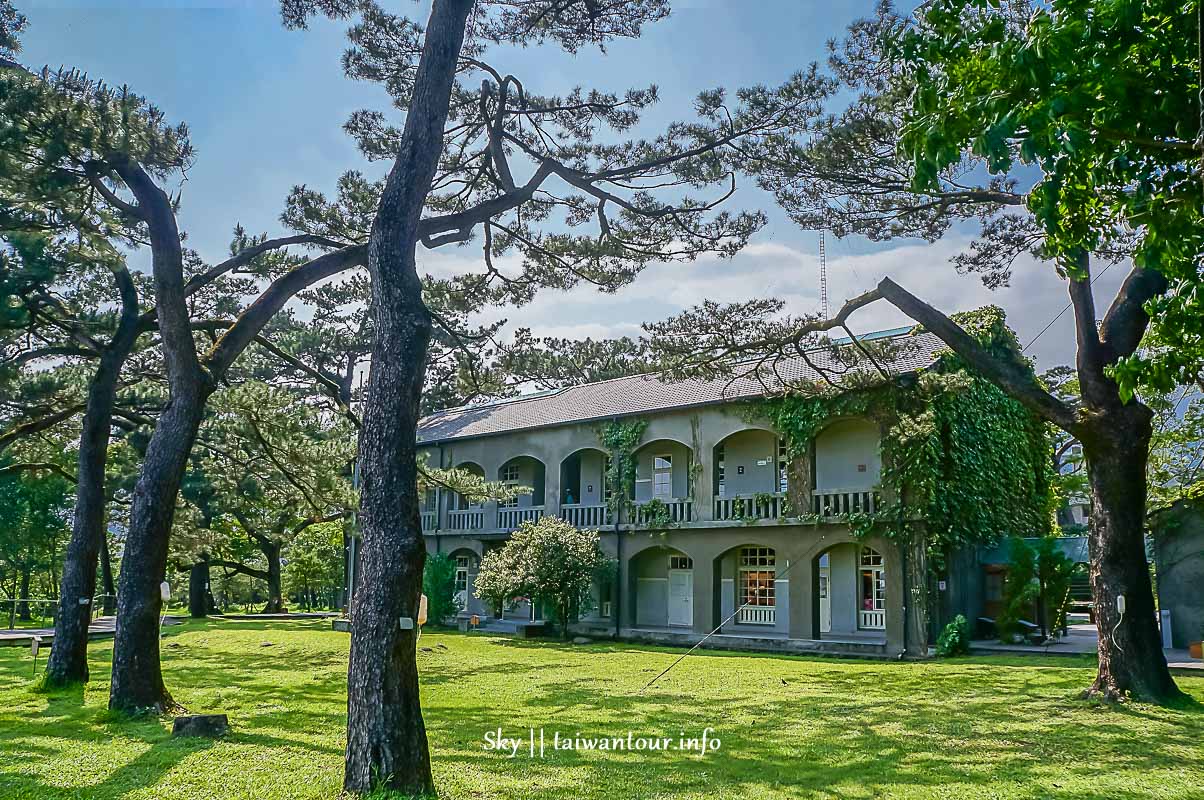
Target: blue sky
pixel 266 106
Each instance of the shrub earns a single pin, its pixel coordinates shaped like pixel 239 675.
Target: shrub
pixel 439 586
pixel 955 638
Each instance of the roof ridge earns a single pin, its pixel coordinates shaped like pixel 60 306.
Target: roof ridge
pixel 886 333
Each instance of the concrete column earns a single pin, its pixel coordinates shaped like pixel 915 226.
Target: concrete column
pixel 804 596
pixel 895 599
pixel 706 594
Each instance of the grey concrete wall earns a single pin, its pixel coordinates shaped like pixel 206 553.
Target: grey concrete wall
pixel 1178 534
pixel 680 454
pixel 843 589
pixel 841 448
pixel 756 453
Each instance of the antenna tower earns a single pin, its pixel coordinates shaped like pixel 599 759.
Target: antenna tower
pixel 823 276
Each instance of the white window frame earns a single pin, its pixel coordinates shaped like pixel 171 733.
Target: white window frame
pixel 463 564
pixel 508 475
pixel 662 472
pixel 762 562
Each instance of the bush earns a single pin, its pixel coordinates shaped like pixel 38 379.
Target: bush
pixel 955 639
pixel 439 586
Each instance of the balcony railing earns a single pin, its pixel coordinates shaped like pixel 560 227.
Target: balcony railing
pixel 510 518
pixel 472 519
pixel 680 512
pixel 750 506
pixel 430 520
pixel 834 502
pixel 758 615
pixel 585 516
pixel 872 620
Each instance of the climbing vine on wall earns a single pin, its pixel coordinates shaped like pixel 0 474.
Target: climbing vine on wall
pixel 621 438
pixel 960 460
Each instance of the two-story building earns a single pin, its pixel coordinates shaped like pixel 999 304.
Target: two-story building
pixel 726 548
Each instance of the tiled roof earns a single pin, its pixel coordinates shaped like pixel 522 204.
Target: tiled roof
pixel 641 394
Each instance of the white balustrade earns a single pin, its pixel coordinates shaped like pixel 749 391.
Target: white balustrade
pixel 872 620
pixel 835 502
pixel 769 505
pixel 585 516
pixel 680 511
pixel 758 615
pixel 509 519
pixel 430 520
pixel 472 519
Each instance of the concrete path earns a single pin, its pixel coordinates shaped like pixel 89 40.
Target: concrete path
pixel 1082 639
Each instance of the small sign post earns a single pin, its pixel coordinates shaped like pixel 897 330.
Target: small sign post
pixel 34 646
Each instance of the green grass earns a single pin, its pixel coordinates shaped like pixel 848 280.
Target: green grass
pixel 790 727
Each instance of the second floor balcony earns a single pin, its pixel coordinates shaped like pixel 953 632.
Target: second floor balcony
pixel 749 474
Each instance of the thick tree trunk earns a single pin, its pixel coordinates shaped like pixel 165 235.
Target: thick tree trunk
pixel 386 736
pixel 1131 660
pixel 23 593
pixel 199 604
pixel 137 685
pixel 68 661
pixel 275 604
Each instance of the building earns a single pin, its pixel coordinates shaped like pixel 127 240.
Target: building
pixel 741 536
pixel 1177 532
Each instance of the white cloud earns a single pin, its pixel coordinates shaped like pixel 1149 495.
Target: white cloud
pixel 772 269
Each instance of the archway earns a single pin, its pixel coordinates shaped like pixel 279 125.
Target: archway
pixel 584 492
pixel 661 588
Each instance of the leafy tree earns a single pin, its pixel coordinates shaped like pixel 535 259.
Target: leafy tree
pixel 314 567
pixel 274 467
pixel 1038 579
pixel 970 89
pixel 439 586
pixel 549 561
pixel 451 180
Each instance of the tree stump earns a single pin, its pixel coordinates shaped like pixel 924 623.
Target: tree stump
pixel 209 725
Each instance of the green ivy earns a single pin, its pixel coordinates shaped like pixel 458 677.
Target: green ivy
pixel 961 461
pixel 621 438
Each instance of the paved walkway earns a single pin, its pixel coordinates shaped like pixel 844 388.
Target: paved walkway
pixel 101 628
pixel 1082 639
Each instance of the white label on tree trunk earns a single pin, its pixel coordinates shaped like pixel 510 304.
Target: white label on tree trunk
pixel 407 623
pixel 83 601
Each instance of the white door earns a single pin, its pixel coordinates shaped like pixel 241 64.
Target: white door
pixel 825 602
pixel 681 597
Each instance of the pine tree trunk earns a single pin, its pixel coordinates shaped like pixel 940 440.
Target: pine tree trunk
pixel 1131 660
pixel 68 661
pixel 23 593
pixel 386 736
pixel 275 604
pixel 137 685
pixel 198 589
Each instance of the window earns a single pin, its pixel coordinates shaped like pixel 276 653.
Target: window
pixel 873 581
pixel 783 464
pixel 430 500
pixel 681 562
pixel 758 572
pixel 662 476
pixel 509 476
pixel 463 564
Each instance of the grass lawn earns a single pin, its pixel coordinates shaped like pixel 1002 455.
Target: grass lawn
pixel 789 727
